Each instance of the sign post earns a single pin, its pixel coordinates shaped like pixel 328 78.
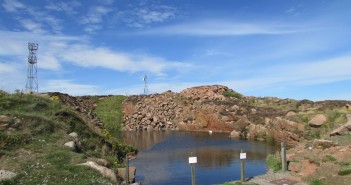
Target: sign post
pixel 283 153
pixel 127 170
pixel 192 161
pixel 242 158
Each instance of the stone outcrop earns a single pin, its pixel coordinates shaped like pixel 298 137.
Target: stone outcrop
pixel 206 108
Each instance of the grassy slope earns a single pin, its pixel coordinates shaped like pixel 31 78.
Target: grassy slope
pixel 109 110
pixel 31 143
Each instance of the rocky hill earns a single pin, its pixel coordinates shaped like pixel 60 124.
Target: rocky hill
pixel 219 108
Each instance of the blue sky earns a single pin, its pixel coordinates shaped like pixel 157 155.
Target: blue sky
pixel 284 48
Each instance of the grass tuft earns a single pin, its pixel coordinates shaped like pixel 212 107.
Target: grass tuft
pixel 274 162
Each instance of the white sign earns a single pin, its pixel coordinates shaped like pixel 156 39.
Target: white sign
pixel 192 160
pixel 242 155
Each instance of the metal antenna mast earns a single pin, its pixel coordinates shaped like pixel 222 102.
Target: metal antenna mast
pixel 145 85
pixel 32 80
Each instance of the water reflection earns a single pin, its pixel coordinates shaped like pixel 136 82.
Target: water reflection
pixel 163 157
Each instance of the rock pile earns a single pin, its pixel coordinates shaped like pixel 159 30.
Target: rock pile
pixel 154 112
pixel 214 92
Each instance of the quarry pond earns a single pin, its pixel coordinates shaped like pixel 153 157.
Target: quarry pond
pixel 163 157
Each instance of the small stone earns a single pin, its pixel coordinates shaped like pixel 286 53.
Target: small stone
pixel 102 162
pixel 73 134
pixel 70 145
pixel 6 175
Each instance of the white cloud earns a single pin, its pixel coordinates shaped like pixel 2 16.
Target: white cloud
pixel 32 26
pixel 87 56
pixel 12 5
pixel 12 76
pixel 224 28
pixel 6 68
pixel 67 86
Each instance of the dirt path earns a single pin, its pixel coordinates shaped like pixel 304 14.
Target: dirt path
pixel 280 178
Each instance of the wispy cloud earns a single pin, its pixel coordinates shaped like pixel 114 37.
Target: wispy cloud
pixel 32 26
pixel 144 15
pixel 95 17
pixel 67 7
pixel 224 28
pixel 302 74
pixel 12 5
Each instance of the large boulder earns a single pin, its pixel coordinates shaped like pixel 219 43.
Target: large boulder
pixel 106 172
pixel 318 120
pixel 235 134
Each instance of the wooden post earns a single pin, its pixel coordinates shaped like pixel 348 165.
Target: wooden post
pixel 127 170
pixel 193 174
pixel 283 153
pixel 192 162
pixel 242 166
pixel 117 176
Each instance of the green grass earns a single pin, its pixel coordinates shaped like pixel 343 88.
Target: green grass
pixel 344 172
pixel 109 110
pixel 330 158
pixel 32 137
pixel 316 182
pixel 274 162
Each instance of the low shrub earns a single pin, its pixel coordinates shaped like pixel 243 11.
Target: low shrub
pixel 232 94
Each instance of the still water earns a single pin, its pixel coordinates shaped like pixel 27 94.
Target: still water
pixel 163 157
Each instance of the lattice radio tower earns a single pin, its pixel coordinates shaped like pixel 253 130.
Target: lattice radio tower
pixel 32 80
pixel 146 90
